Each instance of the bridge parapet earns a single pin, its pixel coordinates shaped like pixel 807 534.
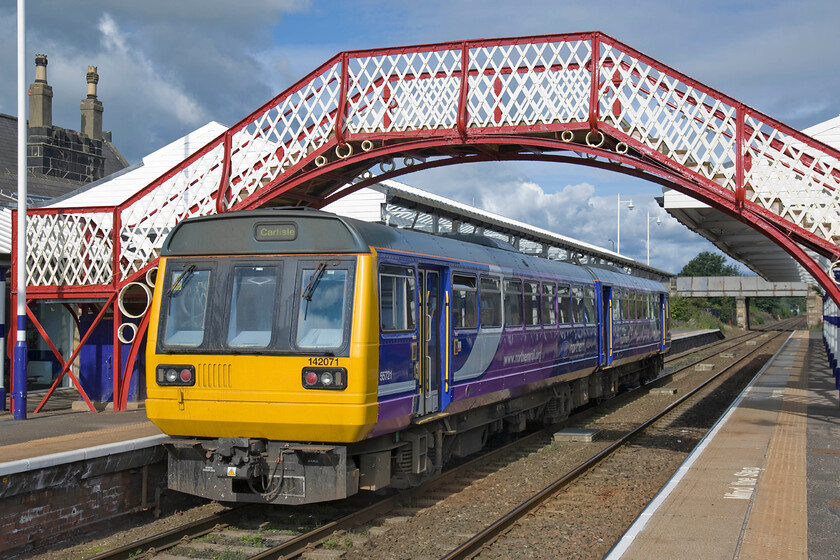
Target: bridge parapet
pixel 736 286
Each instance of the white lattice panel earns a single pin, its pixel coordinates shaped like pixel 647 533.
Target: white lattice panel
pixel 284 135
pixel 793 180
pixel 529 84
pixel 146 222
pixel 404 91
pixel 69 249
pixel 687 125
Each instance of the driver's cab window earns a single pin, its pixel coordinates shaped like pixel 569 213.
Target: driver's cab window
pixel 187 306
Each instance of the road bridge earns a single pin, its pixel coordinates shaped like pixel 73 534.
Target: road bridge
pixel 365 116
pixel 742 288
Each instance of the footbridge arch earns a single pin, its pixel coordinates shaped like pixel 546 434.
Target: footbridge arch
pixel 362 116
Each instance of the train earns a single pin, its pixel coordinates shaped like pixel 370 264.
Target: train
pixel 295 356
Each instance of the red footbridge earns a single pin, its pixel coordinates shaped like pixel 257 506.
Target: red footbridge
pixel 365 116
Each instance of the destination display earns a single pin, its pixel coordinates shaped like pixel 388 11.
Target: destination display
pixel 275 231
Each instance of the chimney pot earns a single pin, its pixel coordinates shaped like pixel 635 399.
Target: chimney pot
pixel 40 95
pixel 91 107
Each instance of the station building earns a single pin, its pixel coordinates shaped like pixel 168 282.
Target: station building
pixel 59 161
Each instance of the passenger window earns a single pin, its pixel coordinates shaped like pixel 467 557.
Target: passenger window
pixel 464 305
pixel 549 304
pixel 396 298
pixel 564 305
pixel 322 308
pixel 252 306
pixel 625 303
pixel 616 298
pixel 577 305
pixel 513 303
pixel 490 302
pixel 187 307
pixel 589 305
pixel 532 303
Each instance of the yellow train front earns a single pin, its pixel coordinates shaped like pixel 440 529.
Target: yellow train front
pixel 295 356
pixel 237 364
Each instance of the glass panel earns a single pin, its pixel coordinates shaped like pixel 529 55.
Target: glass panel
pixel 464 307
pixel 564 305
pixel 490 302
pixel 252 306
pixel 577 305
pixel 187 307
pixel 549 305
pixel 589 305
pixel 396 298
pixel 513 303
pixel 321 316
pixel 616 298
pixel 532 303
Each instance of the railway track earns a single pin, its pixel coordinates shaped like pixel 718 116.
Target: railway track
pixel 472 547
pixel 265 532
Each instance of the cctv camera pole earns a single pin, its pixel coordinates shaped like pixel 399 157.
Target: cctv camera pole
pixel 19 382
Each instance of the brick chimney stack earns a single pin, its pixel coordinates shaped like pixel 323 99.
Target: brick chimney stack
pixel 92 108
pixel 40 95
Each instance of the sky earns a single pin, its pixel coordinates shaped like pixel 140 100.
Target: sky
pixel 167 68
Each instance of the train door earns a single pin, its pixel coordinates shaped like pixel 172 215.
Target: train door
pixel 431 315
pixel 663 321
pixel 607 326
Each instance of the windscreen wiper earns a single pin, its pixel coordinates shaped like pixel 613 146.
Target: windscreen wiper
pixel 312 285
pixel 179 282
pixel 313 281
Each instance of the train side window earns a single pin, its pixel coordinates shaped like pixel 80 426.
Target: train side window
pixel 464 305
pixel 513 303
pixel 549 304
pixel 251 306
pixel 625 304
pixel 186 312
pixel 578 313
pixel 589 305
pixel 564 305
pixel 532 303
pixel 617 294
pixel 490 302
pixel 396 298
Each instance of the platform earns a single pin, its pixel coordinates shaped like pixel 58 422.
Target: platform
pixel 61 430
pixel 763 483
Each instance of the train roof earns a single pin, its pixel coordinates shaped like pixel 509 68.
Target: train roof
pixel 614 277
pixel 303 230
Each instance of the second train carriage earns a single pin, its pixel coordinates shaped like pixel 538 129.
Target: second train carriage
pixel 298 356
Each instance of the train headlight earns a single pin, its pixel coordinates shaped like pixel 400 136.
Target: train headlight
pixel 324 378
pixel 180 375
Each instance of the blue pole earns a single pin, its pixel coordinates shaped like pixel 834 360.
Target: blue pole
pixel 19 384
pixel 2 338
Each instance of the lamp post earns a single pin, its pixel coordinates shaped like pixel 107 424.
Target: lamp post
pixel 658 221
pixel 19 383
pixel 618 222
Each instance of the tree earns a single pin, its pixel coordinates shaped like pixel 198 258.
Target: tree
pixel 709 264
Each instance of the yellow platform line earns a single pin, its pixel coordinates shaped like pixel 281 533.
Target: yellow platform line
pixel 777 527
